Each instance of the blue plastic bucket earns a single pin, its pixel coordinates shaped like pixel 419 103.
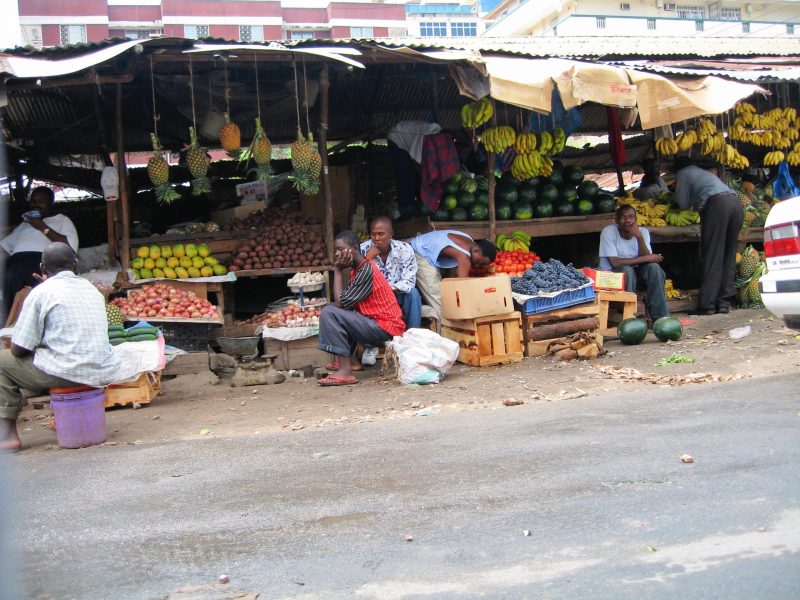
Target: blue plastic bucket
pixel 80 416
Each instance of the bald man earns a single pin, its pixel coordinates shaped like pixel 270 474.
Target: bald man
pixel 59 340
pixel 396 261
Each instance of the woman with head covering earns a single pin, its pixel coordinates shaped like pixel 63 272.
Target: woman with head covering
pixel 651 184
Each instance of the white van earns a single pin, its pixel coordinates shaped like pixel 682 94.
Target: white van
pixel 780 286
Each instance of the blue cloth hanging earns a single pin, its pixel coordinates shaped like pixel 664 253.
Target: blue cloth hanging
pixel 569 120
pixel 784 186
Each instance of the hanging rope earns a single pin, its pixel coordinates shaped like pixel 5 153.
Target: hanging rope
pixel 258 96
pixel 227 91
pixel 296 93
pixel 305 95
pixel 191 90
pixel 156 117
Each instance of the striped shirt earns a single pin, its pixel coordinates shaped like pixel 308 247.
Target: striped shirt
pixel 63 322
pixel 369 293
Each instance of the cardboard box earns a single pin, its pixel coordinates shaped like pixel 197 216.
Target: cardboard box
pixel 225 216
pixel 473 297
pixel 606 280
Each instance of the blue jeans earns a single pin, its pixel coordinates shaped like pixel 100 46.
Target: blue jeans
pixel 651 277
pixel 411 305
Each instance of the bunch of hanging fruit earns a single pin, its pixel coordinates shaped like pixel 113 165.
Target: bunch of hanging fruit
pixel 158 172
pixel 306 164
pixel 750 266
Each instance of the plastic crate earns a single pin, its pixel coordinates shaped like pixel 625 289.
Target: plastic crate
pixel 192 337
pixel 566 298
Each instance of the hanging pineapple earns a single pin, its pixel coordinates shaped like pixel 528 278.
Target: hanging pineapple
pixel 230 137
pixel 306 165
pixel 158 172
pixel 261 151
pixel 198 165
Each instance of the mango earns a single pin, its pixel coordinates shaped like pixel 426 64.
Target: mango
pixel 197 262
pixel 203 250
pixel 161 263
pixel 149 263
pixel 193 272
pixel 185 262
pixel 219 269
pixel 169 273
pixel 158 273
pixel 181 273
pixel 206 271
pixel 173 262
pixel 145 274
pixel 137 263
pixel 210 261
pixel 178 251
pixel 191 250
pixel 136 274
pixel 155 252
pixel 143 252
pixel 166 251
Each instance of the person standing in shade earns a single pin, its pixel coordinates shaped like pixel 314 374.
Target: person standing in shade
pixel 625 248
pixel 652 184
pixel 698 186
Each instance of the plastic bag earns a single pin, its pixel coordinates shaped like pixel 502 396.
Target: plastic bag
pixel 423 356
pixel 784 186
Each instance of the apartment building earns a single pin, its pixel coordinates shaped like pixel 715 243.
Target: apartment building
pixel 643 18
pixel 47 23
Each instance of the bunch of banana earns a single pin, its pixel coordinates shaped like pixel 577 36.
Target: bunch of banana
pixel 498 139
pixel 775 157
pixel 745 108
pixel 559 140
pixel 519 240
pixel 731 157
pixel 475 114
pixel 682 218
pixel 705 128
pixel 713 143
pixel 546 142
pixel 647 212
pixel 666 146
pixel 670 291
pixel 525 142
pixel 686 139
pixel 547 166
pixel 793 157
pixel 526 166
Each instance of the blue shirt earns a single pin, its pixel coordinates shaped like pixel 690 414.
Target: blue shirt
pixel 693 186
pixel 430 245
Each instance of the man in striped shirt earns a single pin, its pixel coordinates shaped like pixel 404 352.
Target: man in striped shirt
pixel 365 310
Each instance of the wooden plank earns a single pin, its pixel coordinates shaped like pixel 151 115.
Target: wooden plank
pixel 131 318
pixel 205 237
pixel 608 296
pixel 563 314
pixel 498 338
pixel 283 271
pixel 513 338
pixel 187 364
pixel 499 359
pixel 539 347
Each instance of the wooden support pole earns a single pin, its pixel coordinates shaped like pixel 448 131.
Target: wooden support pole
pixel 492 184
pixel 322 143
pixel 125 250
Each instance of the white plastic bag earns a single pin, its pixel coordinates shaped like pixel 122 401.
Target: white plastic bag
pixel 423 356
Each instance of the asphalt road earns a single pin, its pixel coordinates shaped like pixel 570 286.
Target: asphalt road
pixel 598 483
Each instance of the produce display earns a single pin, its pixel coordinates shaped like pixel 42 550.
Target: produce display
pixel 475 114
pixel 179 261
pixel 750 266
pixel 519 240
pixel 293 314
pixel 306 279
pixel 632 331
pixel 113 315
pixel 141 333
pixel 548 277
pixel 278 241
pixel 161 300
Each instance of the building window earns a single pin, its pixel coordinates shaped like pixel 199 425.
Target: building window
pixel 698 26
pixel 433 29
pixel 790 28
pixel 730 14
pixel 690 12
pixel 601 22
pixel 137 34
pixel 651 24
pixel 73 34
pixel 251 33
pixel 195 32
pixel 463 29
pixel 745 27
pixel 362 32
pixel 301 35
pixel 624 7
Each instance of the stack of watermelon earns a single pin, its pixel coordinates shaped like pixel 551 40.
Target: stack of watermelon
pixel 464 198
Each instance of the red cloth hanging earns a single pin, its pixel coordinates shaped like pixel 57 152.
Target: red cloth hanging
pixel 616 145
pixel 439 163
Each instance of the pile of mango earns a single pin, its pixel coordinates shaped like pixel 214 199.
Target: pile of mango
pixel 176 262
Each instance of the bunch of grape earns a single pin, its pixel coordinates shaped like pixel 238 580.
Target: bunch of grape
pixel 546 277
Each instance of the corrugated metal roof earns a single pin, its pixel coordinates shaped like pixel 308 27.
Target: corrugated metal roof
pixel 737 71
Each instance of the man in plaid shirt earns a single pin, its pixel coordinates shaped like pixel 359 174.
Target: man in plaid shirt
pixel 60 340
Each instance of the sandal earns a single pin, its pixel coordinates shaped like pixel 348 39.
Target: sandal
pixel 334 366
pixel 334 380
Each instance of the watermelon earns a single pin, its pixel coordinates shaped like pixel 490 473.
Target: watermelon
pixel 548 193
pixel 588 189
pixel 483 183
pixel 604 203
pixel 567 192
pixel 442 214
pixel 458 214
pixel 585 207
pixel 668 328
pixel 535 182
pixel 505 193
pixel 503 211
pixel 526 193
pixel 449 202
pixel 457 177
pixel 478 212
pixel 482 198
pixel 632 331
pixel 543 210
pixel 564 208
pixel 556 177
pixel 468 184
pixel 523 210
pixel 451 188
pixel 507 177
pixel 572 175
pixel 466 199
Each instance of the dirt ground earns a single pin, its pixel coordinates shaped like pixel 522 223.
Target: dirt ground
pixel 193 406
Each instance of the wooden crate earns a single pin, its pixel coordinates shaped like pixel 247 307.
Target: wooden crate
pixel 297 354
pixel 615 307
pixel 584 316
pixel 141 391
pixel 486 340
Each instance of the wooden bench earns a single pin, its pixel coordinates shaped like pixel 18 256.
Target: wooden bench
pixel 615 307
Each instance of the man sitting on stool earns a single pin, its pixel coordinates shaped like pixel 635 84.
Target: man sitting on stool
pixel 366 310
pixel 625 248
pixel 60 340
pixel 396 261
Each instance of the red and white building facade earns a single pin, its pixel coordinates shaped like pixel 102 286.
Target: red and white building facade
pixel 47 23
